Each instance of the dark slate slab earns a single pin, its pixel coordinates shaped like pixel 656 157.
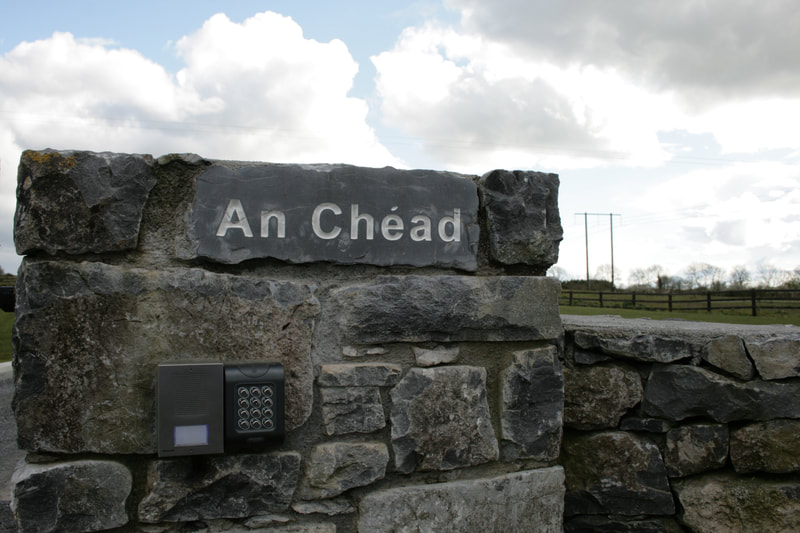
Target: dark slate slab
pixel 308 213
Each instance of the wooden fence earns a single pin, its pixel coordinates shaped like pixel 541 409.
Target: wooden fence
pixel 753 300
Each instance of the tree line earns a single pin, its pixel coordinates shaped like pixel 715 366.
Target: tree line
pixel 696 276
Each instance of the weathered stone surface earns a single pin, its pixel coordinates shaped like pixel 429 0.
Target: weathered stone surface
pixel 10 454
pixel 681 391
pixel 80 202
pixel 334 507
pixel 449 308
pixel 728 354
pixel 696 448
pixel 359 375
pixel 7 522
pixel 776 358
pixel 354 410
pixel 336 467
pixel 522 217
pixel 76 496
pixel 437 356
pixel 724 503
pixel 233 486
pixel 533 405
pixel 305 527
pixel 440 419
pixel 621 524
pixel 89 337
pixel 596 397
pixel 614 473
pixel 531 500
pixel 648 348
pixel 650 425
pixel 336 213
pixel 772 446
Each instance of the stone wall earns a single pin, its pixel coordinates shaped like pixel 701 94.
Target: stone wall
pixel 673 426
pixel 424 390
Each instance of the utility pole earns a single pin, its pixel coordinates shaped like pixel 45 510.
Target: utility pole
pixel 586 233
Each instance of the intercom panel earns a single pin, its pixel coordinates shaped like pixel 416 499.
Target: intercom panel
pixel 254 404
pixel 190 409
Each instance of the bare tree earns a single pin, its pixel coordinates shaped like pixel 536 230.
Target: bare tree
pixel 638 277
pixel 557 272
pixel 769 274
pixel 739 277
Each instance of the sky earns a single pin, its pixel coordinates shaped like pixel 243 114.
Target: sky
pixel 674 125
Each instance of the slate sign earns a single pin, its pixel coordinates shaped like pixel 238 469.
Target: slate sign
pixel 336 213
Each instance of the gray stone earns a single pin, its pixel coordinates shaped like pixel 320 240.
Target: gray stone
pixel 336 467
pixel 772 446
pixel 207 487
pixel 354 410
pixel 319 207
pixel 359 375
pixel 650 425
pixel 647 348
pixel 530 500
pixel 7 522
pixel 533 405
pixel 334 507
pixel 585 357
pixel 440 419
pixel 75 496
pixel 614 472
pixel 80 202
pixel 90 336
pixel 621 524
pixel 437 356
pixel 724 503
pixel 305 527
pixel 681 391
pixel 729 355
pixel 266 520
pixel 695 448
pixel 449 308
pixel 10 454
pixel 522 217
pixel 776 358
pixel 596 397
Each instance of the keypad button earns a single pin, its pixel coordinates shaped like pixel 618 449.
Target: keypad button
pixel 244 424
pixel 267 391
pixel 255 391
pixel 243 403
pixel 267 423
pixel 243 392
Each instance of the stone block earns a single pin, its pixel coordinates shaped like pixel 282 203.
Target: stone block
pixel 776 358
pixel 208 487
pixel 353 410
pixel 621 524
pixel 522 217
pixel 85 495
pixel 436 356
pixel 333 507
pixel 650 425
pixel 440 419
pixel 80 202
pixel 358 375
pixel 336 467
pixel 729 355
pixel 10 454
pixel 530 500
pixel 696 448
pixel 89 337
pixel 722 503
pixel 649 348
pixel 596 397
pixel 533 405
pixel 682 391
pixel 617 473
pixel 772 446
pixel 449 308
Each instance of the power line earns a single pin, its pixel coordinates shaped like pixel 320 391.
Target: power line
pixel 586 229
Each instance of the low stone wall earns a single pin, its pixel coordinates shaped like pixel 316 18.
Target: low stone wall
pixel 424 384
pixel 672 425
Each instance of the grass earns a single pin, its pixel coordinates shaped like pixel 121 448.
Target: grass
pixel 6 323
pixel 727 317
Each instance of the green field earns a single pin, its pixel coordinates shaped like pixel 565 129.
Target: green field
pixel 6 323
pixel 727 317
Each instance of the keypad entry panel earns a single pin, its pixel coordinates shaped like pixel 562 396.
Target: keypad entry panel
pixel 254 400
